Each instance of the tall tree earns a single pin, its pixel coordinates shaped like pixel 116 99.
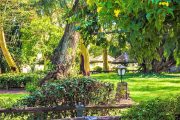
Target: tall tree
pixel 40 36
pixel 65 52
pixel 145 23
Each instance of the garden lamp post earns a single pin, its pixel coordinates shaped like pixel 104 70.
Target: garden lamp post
pixel 122 87
pixel 121 71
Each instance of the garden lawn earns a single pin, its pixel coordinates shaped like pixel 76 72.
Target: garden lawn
pixel 141 87
pixel 145 87
pixel 12 96
pixel 8 100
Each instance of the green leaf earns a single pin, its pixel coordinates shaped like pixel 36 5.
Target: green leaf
pixel 149 18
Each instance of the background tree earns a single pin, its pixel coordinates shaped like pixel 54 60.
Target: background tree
pixel 41 36
pixel 11 15
pixel 145 24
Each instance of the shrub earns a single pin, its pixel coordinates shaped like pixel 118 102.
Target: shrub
pixel 18 80
pixel 157 109
pixel 31 86
pixel 98 68
pixel 69 92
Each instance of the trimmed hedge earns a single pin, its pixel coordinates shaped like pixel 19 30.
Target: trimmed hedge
pixel 156 109
pixel 18 80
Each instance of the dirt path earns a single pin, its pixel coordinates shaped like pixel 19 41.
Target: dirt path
pixel 13 91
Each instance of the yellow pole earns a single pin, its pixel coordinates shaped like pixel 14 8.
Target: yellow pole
pixel 85 54
pixel 6 52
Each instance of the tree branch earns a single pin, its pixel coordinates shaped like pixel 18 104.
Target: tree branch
pixel 110 32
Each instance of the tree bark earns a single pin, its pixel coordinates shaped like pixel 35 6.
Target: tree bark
pixel 105 59
pixel 65 52
pixel 6 52
pixel 164 64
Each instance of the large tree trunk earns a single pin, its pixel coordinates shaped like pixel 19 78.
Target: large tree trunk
pixel 65 52
pixel 6 52
pixel 85 67
pixel 159 67
pixel 105 59
pixel 164 64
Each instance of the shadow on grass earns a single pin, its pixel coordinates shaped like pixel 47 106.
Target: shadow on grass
pixel 153 75
pixel 170 81
pixel 133 75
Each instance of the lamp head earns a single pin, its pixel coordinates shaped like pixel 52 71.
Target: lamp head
pixel 121 70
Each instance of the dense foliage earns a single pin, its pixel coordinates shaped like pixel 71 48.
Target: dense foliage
pixel 40 37
pixel 156 109
pixel 70 91
pixel 28 33
pixel 149 28
pixel 67 92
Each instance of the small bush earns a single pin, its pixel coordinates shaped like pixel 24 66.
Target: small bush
pixel 18 80
pixel 157 109
pixel 98 69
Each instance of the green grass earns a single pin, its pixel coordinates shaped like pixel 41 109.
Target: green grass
pixel 146 87
pixel 8 100
pixel 12 96
pixel 141 87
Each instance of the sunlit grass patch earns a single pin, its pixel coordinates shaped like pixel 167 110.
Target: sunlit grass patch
pixel 144 87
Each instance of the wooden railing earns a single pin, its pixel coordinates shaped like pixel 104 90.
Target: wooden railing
pixel 95 118
pixel 61 108
pixel 80 109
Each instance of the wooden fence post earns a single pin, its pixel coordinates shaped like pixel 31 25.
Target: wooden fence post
pixel 80 109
